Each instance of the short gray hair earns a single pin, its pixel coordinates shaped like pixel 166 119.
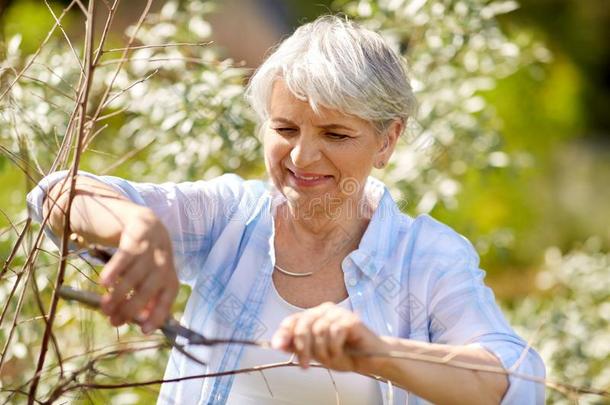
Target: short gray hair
pixel 335 63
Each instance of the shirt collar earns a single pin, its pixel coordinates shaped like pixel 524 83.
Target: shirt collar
pixel 378 240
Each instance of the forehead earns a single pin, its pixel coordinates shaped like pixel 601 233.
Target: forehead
pixel 284 104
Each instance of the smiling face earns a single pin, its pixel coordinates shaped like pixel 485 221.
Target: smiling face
pixel 320 158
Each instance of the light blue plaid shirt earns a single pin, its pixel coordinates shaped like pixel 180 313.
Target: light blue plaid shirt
pixel 413 278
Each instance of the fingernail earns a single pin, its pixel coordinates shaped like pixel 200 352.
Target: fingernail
pixel 278 342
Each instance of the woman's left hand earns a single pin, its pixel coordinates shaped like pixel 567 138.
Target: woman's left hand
pixel 328 334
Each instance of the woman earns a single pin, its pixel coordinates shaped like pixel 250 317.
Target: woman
pixel 320 260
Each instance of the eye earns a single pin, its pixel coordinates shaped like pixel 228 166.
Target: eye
pixel 336 137
pixel 285 130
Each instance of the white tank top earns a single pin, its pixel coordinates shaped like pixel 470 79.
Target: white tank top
pixel 293 385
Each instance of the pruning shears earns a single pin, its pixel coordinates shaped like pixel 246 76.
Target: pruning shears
pixel 172 329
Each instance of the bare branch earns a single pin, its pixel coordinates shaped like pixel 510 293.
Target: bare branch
pixel 49 86
pixel 11 329
pixel 118 69
pixel 58 22
pixel 82 8
pixel 14 250
pixel 126 157
pixel 118 94
pixel 33 57
pixel 74 169
pixel 160 46
pixel 105 30
pixel 183 59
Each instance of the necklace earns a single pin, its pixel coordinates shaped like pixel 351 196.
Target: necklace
pixel 289 273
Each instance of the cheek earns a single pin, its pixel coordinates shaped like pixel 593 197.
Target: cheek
pixel 275 151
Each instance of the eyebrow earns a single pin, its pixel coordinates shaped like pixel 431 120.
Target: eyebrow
pixel 328 126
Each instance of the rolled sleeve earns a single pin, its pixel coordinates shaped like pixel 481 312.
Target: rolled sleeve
pixel 36 197
pixel 520 360
pixel 194 213
pixel 463 311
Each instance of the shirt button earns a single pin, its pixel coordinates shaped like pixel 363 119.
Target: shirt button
pixel 352 281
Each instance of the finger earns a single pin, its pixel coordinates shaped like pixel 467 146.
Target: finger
pixel 337 332
pixel 334 320
pixel 146 290
pixel 303 337
pixel 160 313
pixel 320 334
pixel 131 278
pixel 115 267
pixel 282 338
pixel 147 311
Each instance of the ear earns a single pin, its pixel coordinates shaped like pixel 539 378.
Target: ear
pixel 388 143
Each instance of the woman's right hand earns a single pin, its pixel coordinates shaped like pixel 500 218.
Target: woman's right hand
pixel 140 276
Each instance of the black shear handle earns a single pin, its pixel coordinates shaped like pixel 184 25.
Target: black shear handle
pixel 88 298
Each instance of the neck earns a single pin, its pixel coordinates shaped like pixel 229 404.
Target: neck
pixel 327 222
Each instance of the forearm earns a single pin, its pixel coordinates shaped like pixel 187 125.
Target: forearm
pixel 98 212
pixel 441 383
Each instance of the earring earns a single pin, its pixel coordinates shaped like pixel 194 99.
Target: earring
pixel 379 165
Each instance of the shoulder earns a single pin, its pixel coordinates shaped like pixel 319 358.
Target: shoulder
pixel 227 188
pixel 432 233
pixel 235 195
pixel 433 241
pixel 394 233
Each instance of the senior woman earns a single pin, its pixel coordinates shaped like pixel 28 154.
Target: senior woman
pixel 319 259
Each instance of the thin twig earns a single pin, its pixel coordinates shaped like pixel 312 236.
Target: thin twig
pixel 64 243
pixel 337 398
pixel 105 30
pixel 112 114
pixel 13 326
pixel 82 8
pixel 90 139
pixel 125 158
pixel 18 161
pixel 54 73
pixel 126 89
pixel 160 46
pixel 15 248
pixel 48 86
pixel 183 59
pixel 33 57
pixel 132 38
pixel 66 36
pixel 45 318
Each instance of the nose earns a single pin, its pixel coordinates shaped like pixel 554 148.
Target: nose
pixel 305 151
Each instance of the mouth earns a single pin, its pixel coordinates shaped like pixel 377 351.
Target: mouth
pixel 308 179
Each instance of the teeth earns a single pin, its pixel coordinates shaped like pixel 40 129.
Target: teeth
pixel 308 178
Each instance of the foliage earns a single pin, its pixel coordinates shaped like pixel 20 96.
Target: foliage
pixel 455 50
pixel 192 122
pixel 570 326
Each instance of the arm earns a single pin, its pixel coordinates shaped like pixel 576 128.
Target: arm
pixel 99 213
pixel 462 319
pixel 143 263
pixel 425 378
pixel 157 228
pixel 335 337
